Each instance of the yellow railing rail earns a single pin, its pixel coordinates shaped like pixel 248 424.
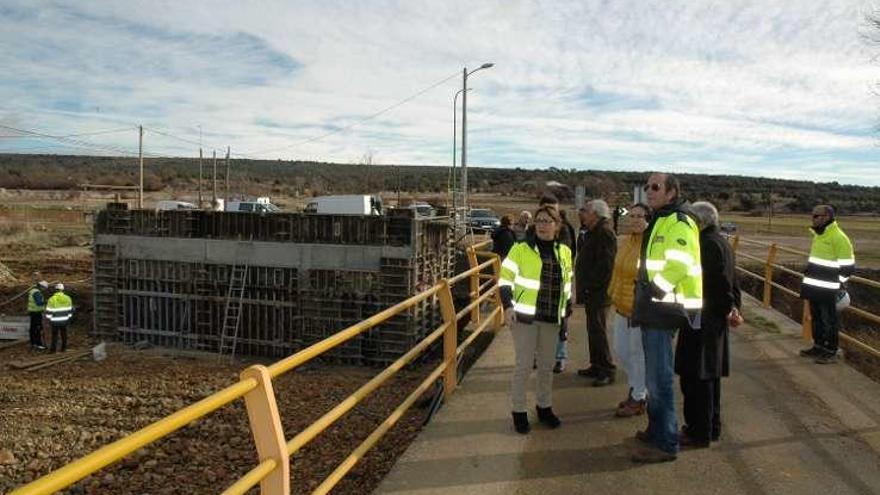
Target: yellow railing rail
pixel 770 265
pixel 272 474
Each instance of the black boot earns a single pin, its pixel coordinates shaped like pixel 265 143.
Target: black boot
pixel 521 422
pixel 546 416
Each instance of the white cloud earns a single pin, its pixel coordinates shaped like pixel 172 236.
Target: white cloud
pixel 749 87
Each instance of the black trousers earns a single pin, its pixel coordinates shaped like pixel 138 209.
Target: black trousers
pixel 36 328
pixel 826 326
pixel 597 336
pixel 702 407
pixel 56 329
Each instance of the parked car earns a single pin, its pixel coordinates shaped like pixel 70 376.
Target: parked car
pixel 423 209
pixel 482 219
pixel 728 227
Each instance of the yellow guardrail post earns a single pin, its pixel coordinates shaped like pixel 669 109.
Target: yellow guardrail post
pixel 735 242
pixel 496 268
pixel 768 275
pixel 807 323
pixel 475 283
pixel 450 338
pixel 266 427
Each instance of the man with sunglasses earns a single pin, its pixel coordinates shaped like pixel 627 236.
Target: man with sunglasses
pixel 668 298
pixel 830 265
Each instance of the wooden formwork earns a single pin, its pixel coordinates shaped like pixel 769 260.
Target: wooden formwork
pixel 174 293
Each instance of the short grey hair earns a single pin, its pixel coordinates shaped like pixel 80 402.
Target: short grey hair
pixel 600 208
pixel 706 213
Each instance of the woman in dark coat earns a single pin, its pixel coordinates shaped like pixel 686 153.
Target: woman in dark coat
pixel 702 353
pixel 504 237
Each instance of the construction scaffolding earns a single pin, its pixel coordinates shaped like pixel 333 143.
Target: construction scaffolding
pixel 266 284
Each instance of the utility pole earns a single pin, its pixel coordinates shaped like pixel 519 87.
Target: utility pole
pixel 141 161
pixel 226 185
pixel 200 178
pixel 464 177
pixel 214 181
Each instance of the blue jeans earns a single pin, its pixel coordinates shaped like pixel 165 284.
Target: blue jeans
pixel 659 378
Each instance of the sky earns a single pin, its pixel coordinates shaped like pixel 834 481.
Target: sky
pixel 766 88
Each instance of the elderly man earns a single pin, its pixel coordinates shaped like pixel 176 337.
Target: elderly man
pixel 831 264
pixel 702 354
pixel 593 267
pixel 669 293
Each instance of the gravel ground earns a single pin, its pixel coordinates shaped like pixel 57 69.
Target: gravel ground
pixel 52 416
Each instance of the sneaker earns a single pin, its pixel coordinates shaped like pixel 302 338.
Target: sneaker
pixel 40 347
pixel 559 367
pixel 652 455
pixel 829 358
pixel 631 408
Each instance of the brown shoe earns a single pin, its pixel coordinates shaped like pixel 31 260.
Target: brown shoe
pixel 631 408
pixel 686 441
pixel 652 455
pixel 642 436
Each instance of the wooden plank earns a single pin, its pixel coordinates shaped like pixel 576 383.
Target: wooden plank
pixel 7 345
pixel 66 358
pixel 44 359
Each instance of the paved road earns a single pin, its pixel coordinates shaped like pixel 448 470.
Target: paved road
pixel 790 426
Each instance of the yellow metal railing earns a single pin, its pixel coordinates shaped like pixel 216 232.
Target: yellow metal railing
pixel 272 474
pixel 806 320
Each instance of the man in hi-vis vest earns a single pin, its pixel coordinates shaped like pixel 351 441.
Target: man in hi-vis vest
pixel 830 265
pixel 59 310
pixel 36 304
pixel 668 298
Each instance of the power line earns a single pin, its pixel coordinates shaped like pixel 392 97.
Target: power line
pixel 77 142
pixel 94 133
pixel 358 122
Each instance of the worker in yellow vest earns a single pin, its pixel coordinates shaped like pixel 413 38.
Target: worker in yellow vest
pixel 59 310
pixel 36 304
pixel 830 265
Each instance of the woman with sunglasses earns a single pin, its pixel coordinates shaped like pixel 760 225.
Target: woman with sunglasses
pixel 536 294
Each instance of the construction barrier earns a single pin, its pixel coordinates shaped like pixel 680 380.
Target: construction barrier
pixel 773 249
pixel 272 474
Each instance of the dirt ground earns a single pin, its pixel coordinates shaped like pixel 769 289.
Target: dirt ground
pixel 55 415
pixel 52 416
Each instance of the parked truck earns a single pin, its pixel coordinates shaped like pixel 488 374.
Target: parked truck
pixel 351 204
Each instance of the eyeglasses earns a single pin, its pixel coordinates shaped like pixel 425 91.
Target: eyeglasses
pixel 818 215
pixel 545 221
pixel 654 187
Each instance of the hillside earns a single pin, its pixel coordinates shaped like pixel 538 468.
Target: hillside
pixel 297 178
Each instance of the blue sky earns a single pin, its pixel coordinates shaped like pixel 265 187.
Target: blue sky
pixel 770 88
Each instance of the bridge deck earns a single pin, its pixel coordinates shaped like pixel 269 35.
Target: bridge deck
pixel 790 426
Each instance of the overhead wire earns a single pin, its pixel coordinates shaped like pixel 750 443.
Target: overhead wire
pixel 360 121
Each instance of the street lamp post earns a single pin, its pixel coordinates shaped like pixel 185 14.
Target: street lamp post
pixel 454 142
pixel 464 181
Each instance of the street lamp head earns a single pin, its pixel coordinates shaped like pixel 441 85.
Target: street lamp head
pixel 487 65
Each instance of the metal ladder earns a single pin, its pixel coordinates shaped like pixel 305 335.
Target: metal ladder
pixel 232 315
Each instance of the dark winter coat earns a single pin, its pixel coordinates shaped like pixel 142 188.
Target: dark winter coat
pixel 595 263
pixel 704 353
pixel 502 240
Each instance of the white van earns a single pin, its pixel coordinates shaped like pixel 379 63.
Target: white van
pixel 352 204
pixel 259 205
pixel 169 204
